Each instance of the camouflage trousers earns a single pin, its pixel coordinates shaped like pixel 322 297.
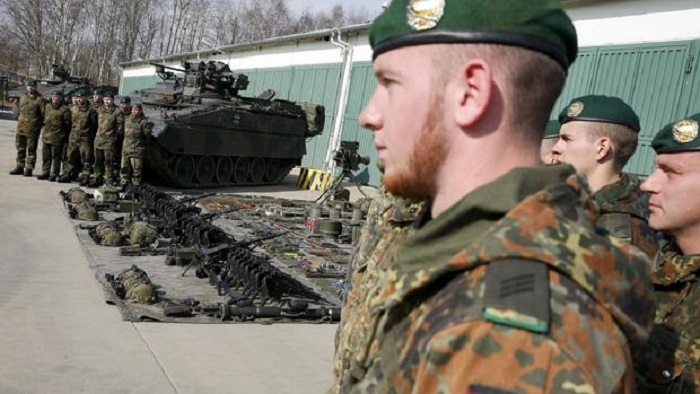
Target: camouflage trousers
pixel 131 171
pixel 104 159
pixel 78 155
pixel 26 150
pixel 118 160
pixel 51 155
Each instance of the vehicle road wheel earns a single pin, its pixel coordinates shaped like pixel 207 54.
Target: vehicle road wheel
pixel 257 170
pixel 205 170
pixel 224 168
pixel 184 169
pixel 241 170
pixel 274 170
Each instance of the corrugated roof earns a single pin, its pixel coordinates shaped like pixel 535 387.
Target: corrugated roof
pixel 318 34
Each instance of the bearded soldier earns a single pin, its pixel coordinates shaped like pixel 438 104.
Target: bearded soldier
pixel 57 125
pixel 506 286
pixel 29 123
pixel 137 131
pixel 80 142
pixel 110 123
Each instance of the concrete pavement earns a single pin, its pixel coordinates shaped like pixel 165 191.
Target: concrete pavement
pixel 57 335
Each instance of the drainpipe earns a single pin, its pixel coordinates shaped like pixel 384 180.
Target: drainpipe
pixel 342 100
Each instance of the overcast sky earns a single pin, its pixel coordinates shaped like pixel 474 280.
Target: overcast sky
pixel 372 6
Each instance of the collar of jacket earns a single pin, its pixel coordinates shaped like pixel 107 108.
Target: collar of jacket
pixel 623 196
pixel 675 267
pixel 542 213
pixel 441 238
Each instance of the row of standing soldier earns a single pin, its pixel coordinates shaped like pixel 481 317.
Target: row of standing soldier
pixel 91 143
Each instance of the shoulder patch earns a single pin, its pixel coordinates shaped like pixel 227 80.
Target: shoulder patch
pixel 516 294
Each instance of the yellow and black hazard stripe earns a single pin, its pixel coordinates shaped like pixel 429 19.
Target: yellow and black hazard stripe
pixel 312 179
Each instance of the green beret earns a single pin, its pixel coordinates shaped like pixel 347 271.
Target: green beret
pixel 31 82
pixel 98 92
pixel 109 95
pixel 680 136
pixel 139 106
pixel 57 93
pixel 602 109
pixel 538 25
pixel 125 100
pixel 552 129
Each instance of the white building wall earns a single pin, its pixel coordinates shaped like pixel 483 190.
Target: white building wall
pixel 600 23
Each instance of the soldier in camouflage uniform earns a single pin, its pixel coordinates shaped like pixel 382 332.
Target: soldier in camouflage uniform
pixel 57 125
pixel 64 165
pixel 97 98
pixel 110 123
pixel 125 108
pixel 80 142
pixel 137 131
pixel 31 117
pixel 598 136
pixel 506 286
pixel 670 362
pixel 388 224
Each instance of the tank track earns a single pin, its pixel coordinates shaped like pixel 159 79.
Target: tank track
pixel 197 171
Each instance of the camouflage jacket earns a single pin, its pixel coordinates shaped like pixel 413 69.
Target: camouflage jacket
pixel 31 114
pixel 624 211
pixel 510 290
pixel 670 361
pixel 84 124
pixel 389 223
pixel 137 130
pixel 57 124
pixel 110 123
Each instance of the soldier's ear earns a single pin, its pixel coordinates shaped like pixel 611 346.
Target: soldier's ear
pixel 604 148
pixel 472 92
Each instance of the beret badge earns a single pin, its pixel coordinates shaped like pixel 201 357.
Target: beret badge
pixel 685 131
pixel 575 109
pixel 425 14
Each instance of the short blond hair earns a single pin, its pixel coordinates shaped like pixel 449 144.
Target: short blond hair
pixel 533 80
pixel 624 140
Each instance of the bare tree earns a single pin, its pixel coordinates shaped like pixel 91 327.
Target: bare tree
pixel 92 36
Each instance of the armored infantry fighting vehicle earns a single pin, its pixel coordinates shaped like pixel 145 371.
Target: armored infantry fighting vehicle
pixel 61 80
pixel 207 135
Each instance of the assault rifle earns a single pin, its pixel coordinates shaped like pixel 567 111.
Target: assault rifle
pixel 296 309
pixel 207 255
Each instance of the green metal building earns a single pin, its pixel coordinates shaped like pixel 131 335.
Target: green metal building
pixel 644 51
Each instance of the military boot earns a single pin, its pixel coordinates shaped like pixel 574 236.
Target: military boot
pixel 43 177
pixel 52 178
pixel 17 171
pixel 83 180
pixel 28 172
pixel 96 182
pixel 65 178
